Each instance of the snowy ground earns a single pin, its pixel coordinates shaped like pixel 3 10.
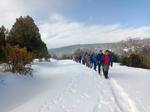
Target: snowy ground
pixel 66 86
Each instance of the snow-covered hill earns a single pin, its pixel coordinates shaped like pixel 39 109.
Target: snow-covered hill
pixel 66 86
pixel 115 47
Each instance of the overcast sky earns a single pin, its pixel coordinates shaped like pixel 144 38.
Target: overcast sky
pixel 69 22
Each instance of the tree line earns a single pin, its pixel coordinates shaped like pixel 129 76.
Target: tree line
pixel 136 53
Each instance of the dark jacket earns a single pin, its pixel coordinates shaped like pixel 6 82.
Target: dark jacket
pixel 80 57
pixel 91 58
pixel 99 57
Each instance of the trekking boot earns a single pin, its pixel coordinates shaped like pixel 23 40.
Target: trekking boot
pixel 107 75
pixel 104 74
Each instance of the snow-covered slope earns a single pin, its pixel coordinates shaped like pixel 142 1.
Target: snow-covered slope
pixel 66 86
pixel 115 47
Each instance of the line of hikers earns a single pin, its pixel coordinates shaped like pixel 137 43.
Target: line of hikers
pixel 102 60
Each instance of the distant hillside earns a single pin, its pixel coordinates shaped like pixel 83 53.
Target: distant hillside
pixel 69 50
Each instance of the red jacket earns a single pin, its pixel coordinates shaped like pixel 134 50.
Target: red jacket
pixel 106 61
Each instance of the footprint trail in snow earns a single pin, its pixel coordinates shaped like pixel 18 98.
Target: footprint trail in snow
pixel 73 87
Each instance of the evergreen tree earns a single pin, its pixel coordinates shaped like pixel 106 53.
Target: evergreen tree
pixel 25 33
pixel 42 49
pixel 3 35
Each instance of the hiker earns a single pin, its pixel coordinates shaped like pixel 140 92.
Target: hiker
pixel 83 59
pixel 79 58
pixel 91 60
pixel 86 53
pixel 99 58
pixel 95 60
pixel 87 57
pixel 106 62
pixel 73 58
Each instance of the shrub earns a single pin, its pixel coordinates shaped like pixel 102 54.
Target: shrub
pixel 18 60
pixel 148 62
pixel 64 57
pixel 55 57
pixel 134 61
pixel 123 60
pixel 40 56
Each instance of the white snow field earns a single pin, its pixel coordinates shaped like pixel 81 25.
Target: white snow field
pixel 67 86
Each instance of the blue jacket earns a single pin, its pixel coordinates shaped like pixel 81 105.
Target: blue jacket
pixel 94 58
pixel 110 60
pixel 80 57
pixel 99 57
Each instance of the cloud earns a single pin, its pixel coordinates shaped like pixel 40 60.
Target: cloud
pixel 60 32
pixel 12 9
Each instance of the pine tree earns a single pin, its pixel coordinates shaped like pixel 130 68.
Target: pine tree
pixel 3 34
pixel 25 33
pixel 42 49
pixel 18 60
pixel 148 62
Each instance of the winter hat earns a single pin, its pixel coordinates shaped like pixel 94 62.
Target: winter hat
pixel 95 53
pixel 107 51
